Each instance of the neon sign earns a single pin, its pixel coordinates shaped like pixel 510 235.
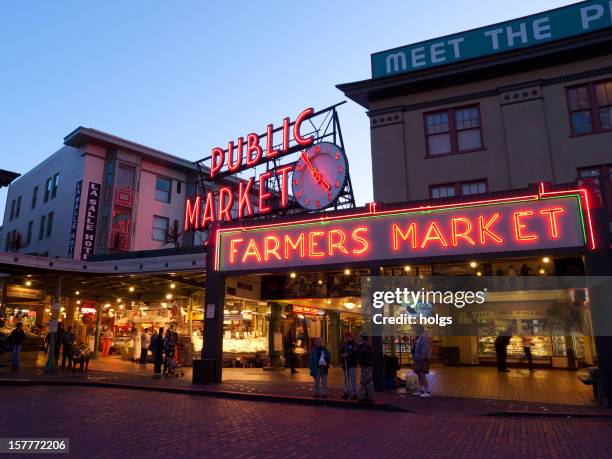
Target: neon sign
pixel 247 197
pixel 539 221
pixel 305 309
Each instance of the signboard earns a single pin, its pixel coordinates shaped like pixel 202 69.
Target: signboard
pixel 17 291
pixel 91 220
pixel 552 25
pixel 75 218
pixel 88 310
pixel 304 309
pixel 503 225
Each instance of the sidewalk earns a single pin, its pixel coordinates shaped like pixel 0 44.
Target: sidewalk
pixel 515 393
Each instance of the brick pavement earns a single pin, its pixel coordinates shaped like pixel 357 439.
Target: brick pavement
pixel 109 423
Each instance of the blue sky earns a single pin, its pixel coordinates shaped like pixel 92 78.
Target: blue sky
pixel 186 76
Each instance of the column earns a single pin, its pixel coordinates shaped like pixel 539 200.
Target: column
pixel 377 343
pixel 97 331
pixel 50 366
pixel 213 322
pixel 276 326
pixel 334 336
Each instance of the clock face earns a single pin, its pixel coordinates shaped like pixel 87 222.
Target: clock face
pixel 319 176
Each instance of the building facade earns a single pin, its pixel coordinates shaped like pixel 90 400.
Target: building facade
pixel 494 122
pixel 98 194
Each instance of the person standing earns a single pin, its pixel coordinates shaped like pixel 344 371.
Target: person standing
pixel 348 352
pixel 157 348
pixel 527 343
pixel 136 340
pixel 168 350
pixel 58 342
pixel 68 339
pixel 288 348
pixel 421 356
pixel 145 340
pixel 365 354
pixel 16 339
pixel 501 350
pixel 107 341
pixel 320 360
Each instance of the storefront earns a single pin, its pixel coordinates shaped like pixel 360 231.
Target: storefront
pixel 308 263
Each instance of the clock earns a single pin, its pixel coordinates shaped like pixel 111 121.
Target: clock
pixel 319 176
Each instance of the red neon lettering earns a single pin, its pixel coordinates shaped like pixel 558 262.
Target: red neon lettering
pixel 270 151
pixel 313 244
pixel 552 220
pixel 286 134
pixel 484 229
pixel 264 195
pixel 283 172
pixel 209 209
pixel 216 161
pixel 303 141
pixel 271 250
pixel 339 244
pixel 299 242
pixel 397 233
pixel 364 242
pixel 231 165
pixel 233 249
pixel 519 227
pixel 243 198
pixel 226 201
pixel 251 251
pixel 455 234
pixel 253 146
pixel 430 236
pixel 192 214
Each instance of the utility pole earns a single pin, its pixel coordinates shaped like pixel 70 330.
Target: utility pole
pixel 57 304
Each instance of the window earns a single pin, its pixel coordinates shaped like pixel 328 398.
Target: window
pixel 29 234
pixel 41 228
pixel 162 189
pixel 590 107
pixel 49 224
pixel 18 208
pixel 55 185
pixel 125 176
pixel 449 190
pixel 12 210
pixel 178 187
pixel 589 172
pixel 442 191
pixel 48 186
pixel 34 197
pixel 473 188
pixel 456 130
pixel 160 228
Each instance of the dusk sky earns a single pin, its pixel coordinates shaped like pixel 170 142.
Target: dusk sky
pixel 184 77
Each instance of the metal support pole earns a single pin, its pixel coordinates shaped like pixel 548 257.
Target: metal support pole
pixel 98 323
pixel 57 303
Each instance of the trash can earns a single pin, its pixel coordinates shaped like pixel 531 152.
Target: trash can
pixel 204 371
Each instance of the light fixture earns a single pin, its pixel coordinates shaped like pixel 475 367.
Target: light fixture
pixel 301 316
pixel 328 301
pixel 118 300
pixel 546 260
pixel 131 289
pixel 479 274
pixel 407 268
pixel 347 272
pixel 349 305
pixel 473 264
pixel 172 285
pixel 78 301
pixel 542 271
pixel 320 282
pixel 234 311
pixel 62 308
pixel 168 296
pixel 28 283
pixel 47 310
pixel 121 307
pixel 292 275
pixel 107 305
pixel 29 275
pixel 77 293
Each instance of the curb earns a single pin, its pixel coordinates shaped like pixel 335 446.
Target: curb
pixel 232 395
pixel 548 414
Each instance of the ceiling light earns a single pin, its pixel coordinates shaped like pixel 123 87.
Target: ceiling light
pixel 172 285
pixel 118 300
pixel 107 305
pixel 546 260
pixel 77 293
pixel 28 283
pixel 349 305
pixel 542 271
pixel 407 268
pixel 78 301
pixel 121 307
pixel 131 289
pixel 320 282
pixel 473 264
pixel 168 296
pixel 292 275
pixel 328 301
pixel 479 274
pixel 347 272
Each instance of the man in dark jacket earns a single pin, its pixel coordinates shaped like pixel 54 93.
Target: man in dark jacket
pixel 16 339
pixel 320 360
pixel 68 339
pixel 501 350
pixel 157 348
pixel 348 353
pixel 365 354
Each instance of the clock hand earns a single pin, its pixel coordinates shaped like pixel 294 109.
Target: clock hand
pixel 315 173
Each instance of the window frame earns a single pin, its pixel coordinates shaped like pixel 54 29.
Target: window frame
pixel 18 207
pixel 48 186
pixel 30 231
pixel 458 188
pixel 49 229
pixel 158 177
pixel 593 108
pixel 42 227
pixel 12 214
pixel 452 130
pixel 34 198
pixel 153 228
pixel 54 185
